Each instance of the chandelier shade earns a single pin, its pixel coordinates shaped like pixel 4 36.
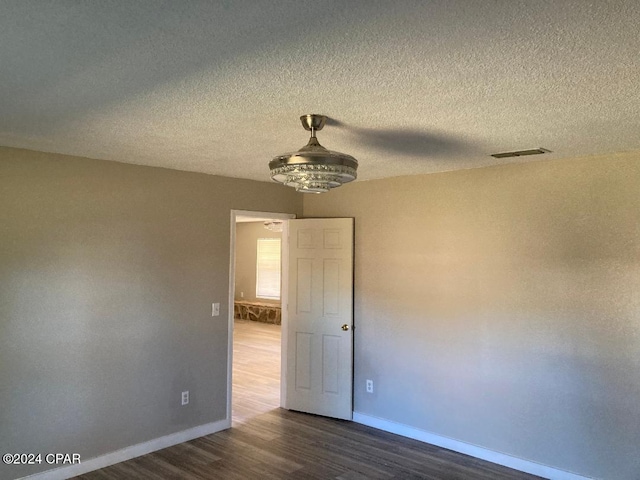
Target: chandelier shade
pixel 313 168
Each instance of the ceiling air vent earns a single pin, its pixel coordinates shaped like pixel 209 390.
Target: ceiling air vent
pixel 521 153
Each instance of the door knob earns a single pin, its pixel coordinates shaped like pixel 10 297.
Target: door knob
pixel 345 327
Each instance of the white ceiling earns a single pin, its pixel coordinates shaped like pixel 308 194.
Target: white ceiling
pixel 410 86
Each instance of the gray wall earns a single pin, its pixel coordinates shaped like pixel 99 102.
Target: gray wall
pixel 107 274
pixel 247 235
pixel 501 307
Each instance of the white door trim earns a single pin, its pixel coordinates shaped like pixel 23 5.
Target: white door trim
pixel 284 313
pixel 283 298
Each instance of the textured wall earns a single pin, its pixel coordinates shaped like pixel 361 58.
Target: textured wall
pixel 107 275
pixel 501 307
pixel 247 235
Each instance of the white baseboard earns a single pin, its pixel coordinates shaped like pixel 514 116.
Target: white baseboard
pixel 466 448
pixel 128 453
pixel 375 422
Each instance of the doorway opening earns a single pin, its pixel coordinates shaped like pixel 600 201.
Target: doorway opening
pixel 255 323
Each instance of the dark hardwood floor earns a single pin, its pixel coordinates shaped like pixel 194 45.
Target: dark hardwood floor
pixel 271 443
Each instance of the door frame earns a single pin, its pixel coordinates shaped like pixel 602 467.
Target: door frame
pixel 283 300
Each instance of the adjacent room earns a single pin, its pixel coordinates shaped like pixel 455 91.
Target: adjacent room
pixel 257 317
pixel 329 240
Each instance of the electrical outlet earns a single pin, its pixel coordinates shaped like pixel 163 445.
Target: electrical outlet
pixel 369 386
pixel 215 309
pixel 185 398
pixel 241 294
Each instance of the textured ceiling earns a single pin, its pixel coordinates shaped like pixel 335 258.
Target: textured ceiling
pixel 410 86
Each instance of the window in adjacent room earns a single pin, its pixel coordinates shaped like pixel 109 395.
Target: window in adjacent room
pixel 268 269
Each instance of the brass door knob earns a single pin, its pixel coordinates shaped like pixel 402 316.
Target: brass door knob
pixel 345 327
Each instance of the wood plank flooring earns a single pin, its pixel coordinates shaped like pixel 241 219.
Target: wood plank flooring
pixel 267 442
pixel 256 369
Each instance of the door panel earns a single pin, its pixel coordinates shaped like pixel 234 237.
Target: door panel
pixel 303 285
pixel 303 367
pixel 319 351
pixel 331 300
pixel 331 363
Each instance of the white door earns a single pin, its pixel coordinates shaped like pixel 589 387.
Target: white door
pixel 320 317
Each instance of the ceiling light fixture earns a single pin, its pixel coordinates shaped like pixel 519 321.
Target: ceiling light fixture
pixel 273 225
pixel 313 168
